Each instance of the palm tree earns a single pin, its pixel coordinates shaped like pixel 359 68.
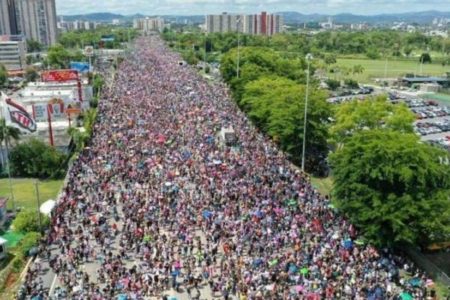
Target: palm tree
pixel 8 133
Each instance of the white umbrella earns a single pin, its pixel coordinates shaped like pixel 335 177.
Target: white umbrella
pixel 47 207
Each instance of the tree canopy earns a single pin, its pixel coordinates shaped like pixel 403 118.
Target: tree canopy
pixel 37 159
pixel 276 105
pixel 372 113
pixel 392 187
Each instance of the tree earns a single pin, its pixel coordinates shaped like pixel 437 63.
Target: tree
pixel 333 84
pixel 3 76
pixel 425 58
pixel 34 46
pixel 330 59
pixel 37 159
pixel 31 74
pixel 58 57
pixel 351 84
pixel 28 242
pixel 276 106
pixel 28 221
pixel 408 50
pixel 7 135
pixel 392 187
pixel 372 113
pixel 373 53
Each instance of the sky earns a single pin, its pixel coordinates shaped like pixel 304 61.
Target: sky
pixel 201 7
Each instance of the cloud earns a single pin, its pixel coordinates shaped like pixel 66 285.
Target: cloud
pixel 190 7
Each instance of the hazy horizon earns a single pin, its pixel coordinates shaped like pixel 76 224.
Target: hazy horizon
pixel 202 7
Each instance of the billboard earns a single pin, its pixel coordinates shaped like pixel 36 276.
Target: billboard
pixel 81 67
pixel 59 75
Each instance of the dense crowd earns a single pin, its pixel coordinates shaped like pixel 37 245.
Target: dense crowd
pixel 160 203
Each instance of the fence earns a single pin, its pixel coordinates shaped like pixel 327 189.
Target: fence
pixel 425 264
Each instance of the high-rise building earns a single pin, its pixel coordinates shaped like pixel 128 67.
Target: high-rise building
pixel 8 22
pixel 263 24
pixel 36 19
pixel 13 52
pixel 149 24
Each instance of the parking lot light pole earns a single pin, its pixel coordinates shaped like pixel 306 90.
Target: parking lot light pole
pixel 308 58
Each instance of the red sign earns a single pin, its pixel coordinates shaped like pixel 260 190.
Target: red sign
pixel 59 75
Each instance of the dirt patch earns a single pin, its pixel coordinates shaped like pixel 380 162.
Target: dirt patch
pixel 11 280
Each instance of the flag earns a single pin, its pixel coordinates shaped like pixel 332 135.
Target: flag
pixel 17 116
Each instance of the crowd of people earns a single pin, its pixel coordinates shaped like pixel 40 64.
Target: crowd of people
pixel 160 205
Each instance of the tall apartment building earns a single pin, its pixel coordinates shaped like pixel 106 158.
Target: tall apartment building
pixel 149 24
pixel 13 52
pixel 263 24
pixel 35 19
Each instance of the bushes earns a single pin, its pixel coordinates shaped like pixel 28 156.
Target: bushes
pixel 28 221
pixel 37 159
pixel 333 84
pixel 30 240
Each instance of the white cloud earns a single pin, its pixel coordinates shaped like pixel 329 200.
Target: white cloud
pixel 190 7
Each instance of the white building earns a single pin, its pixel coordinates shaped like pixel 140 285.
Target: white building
pixel 149 24
pixel 262 24
pixel 12 53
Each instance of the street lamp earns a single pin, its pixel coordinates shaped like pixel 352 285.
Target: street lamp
pixel 238 21
pixel 308 58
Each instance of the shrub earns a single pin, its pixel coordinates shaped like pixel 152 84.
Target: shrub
pixel 28 221
pixel 30 240
pixel 37 159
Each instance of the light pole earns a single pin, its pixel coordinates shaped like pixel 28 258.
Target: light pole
pixel 36 184
pixel 238 21
pixel 308 58
pixel 204 59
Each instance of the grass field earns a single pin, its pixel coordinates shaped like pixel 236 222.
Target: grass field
pixel 376 69
pixel 25 192
pixel 324 185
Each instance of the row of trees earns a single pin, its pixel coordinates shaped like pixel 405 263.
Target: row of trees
pixel 371 44
pixel 81 38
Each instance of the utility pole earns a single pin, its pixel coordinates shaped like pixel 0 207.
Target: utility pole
pixel 8 166
pixel 309 57
pixel 36 184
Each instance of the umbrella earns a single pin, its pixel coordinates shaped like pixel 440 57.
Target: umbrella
pixel 122 297
pixel 304 271
pixel 415 282
pixel 348 244
pixel 47 207
pixel 359 242
pixel 299 288
pixel 406 296
pixel 207 214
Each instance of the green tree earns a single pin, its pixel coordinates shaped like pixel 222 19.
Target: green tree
pixel 7 135
pixel 351 83
pixel 37 159
pixel 3 76
pixel 28 221
pixel 372 113
pixel 276 106
pixel 58 57
pixel 30 240
pixel 333 84
pixel 31 74
pixel 330 59
pixel 393 187
pixel 34 46
pixel 425 58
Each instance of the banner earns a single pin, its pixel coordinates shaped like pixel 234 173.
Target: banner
pixel 59 75
pixel 81 67
pixel 19 116
pixel 40 112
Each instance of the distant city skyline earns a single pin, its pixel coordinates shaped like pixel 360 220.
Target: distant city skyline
pixel 203 7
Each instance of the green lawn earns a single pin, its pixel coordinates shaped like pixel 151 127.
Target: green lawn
pixel 376 69
pixel 324 185
pixel 25 192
